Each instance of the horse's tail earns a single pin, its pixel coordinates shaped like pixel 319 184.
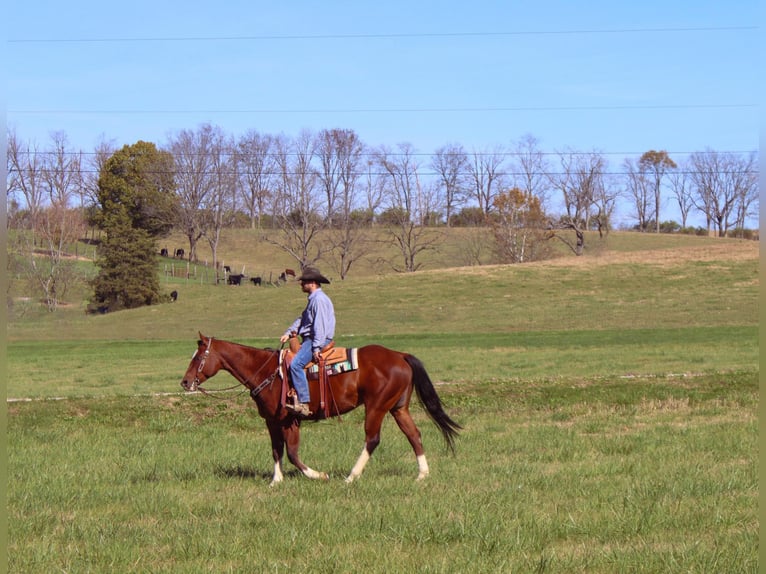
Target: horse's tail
pixel 427 395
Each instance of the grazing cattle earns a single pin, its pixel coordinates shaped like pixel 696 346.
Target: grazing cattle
pixel 282 276
pixel 289 272
pixel 179 253
pixel 174 295
pixel 235 279
pixel 164 252
pixel 256 281
pixel 227 269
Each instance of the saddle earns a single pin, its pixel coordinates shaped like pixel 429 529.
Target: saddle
pixel 333 361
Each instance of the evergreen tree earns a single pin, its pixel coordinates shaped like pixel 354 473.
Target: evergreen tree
pixel 127 275
pixel 137 204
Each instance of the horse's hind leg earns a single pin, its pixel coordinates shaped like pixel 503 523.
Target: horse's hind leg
pixel 403 418
pixel 372 423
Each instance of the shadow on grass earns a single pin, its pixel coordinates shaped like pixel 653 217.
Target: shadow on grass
pixel 239 471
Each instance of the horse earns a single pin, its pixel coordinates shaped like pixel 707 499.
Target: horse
pixel 383 383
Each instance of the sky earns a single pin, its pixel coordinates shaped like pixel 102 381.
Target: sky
pixel 619 78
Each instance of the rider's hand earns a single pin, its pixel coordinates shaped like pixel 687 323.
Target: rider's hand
pixel 284 338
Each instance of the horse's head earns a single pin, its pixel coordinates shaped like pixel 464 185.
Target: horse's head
pixel 204 364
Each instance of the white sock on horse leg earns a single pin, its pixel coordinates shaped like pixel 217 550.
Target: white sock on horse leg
pixel 359 466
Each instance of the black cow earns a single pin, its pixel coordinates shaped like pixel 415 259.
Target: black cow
pixel 256 281
pixel 227 269
pixel 179 253
pixel 235 279
pixel 174 295
pixel 164 252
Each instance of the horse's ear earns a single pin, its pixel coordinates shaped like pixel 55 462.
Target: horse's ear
pixel 201 336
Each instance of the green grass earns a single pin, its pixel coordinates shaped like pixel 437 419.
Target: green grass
pixel 102 368
pixel 609 476
pixel 609 406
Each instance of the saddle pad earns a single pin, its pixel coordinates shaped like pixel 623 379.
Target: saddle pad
pixel 341 360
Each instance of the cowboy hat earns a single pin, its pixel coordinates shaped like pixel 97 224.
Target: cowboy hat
pixel 313 274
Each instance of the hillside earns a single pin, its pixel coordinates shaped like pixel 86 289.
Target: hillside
pixel 635 280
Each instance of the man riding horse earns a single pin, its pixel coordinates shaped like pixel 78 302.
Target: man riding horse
pixel 316 326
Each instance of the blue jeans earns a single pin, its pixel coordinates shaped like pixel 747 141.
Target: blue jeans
pixel 302 358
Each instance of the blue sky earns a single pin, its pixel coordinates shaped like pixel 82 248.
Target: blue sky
pixel 617 77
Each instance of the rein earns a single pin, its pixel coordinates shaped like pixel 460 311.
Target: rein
pixel 254 392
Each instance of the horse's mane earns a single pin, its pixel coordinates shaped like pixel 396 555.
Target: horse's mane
pixel 251 347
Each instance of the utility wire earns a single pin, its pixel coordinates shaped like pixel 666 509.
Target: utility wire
pixel 387 36
pixel 390 110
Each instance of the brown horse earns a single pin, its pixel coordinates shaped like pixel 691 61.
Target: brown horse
pixel 383 383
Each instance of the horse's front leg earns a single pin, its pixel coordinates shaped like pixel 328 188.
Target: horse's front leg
pixel 277 450
pixel 292 436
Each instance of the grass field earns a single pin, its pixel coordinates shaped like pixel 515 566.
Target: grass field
pixel 609 406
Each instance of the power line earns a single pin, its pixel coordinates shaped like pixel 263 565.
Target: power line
pixel 388 36
pixel 388 110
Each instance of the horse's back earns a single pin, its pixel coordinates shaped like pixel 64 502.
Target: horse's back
pixel 378 354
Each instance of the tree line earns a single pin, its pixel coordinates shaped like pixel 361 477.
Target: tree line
pixel 316 196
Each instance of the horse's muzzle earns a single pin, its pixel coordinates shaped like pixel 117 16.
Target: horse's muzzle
pixel 190 386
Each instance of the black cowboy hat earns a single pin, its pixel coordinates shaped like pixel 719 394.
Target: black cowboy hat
pixel 313 274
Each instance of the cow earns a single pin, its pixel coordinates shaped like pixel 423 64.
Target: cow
pixel 173 296
pixel 164 252
pixel 235 279
pixel 227 269
pixel 179 253
pixel 289 272
pixel 256 281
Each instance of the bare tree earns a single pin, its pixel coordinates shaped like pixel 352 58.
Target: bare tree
pixel 193 152
pixel 340 158
pixel 300 221
pixel 339 155
pixel 220 208
pixel 581 181
pixel 486 172
pixel 450 163
pixel 62 171
pixel 400 169
pixel 49 267
pixel 681 189
pixel 257 171
pixel 45 181
pixel 374 186
pixel 725 187
pixel 746 189
pixel 530 169
pixel 404 220
pixel 25 175
pixel 638 188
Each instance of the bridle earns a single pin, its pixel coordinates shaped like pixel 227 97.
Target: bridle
pixel 196 385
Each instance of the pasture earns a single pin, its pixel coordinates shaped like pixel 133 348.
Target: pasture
pixel 609 406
